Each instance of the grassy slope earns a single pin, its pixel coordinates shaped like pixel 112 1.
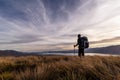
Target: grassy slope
pixel 60 68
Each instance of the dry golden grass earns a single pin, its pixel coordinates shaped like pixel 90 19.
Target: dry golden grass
pixel 60 68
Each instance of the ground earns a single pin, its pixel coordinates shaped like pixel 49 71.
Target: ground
pixel 60 68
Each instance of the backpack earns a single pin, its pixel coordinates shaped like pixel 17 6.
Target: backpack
pixel 85 42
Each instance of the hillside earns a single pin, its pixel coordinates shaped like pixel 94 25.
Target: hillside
pixel 60 68
pixel 10 53
pixel 15 53
pixel 105 50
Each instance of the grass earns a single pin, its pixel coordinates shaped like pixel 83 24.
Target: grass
pixel 60 68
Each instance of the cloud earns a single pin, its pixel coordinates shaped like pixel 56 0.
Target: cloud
pixel 9 11
pixel 24 39
pixel 57 22
pixel 106 40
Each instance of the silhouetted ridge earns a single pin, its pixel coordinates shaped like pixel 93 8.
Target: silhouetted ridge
pixel 106 50
pixel 10 53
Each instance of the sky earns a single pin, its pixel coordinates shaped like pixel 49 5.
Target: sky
pixel 43 25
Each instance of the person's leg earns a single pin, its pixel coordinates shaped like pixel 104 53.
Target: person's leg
pixel 79 52
pixel 82 52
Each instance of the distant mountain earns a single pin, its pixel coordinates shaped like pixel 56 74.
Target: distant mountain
pixel 11 53
pixel 15 53
pixel 106 50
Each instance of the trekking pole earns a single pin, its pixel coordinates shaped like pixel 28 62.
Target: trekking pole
pixel 74 51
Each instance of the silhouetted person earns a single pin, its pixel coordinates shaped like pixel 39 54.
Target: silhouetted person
pixel 79 44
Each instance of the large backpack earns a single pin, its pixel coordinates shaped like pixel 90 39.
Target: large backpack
pixel 85 42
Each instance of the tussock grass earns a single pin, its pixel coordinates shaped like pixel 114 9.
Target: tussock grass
pixel 60 68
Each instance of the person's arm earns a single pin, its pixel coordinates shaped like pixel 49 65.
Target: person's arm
pixel 76 44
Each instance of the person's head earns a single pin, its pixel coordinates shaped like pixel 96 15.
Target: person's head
pixel 79 35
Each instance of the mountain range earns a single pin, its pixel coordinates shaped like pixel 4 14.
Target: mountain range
pixel 103 50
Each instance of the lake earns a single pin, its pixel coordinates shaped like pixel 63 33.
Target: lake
pixel 75 54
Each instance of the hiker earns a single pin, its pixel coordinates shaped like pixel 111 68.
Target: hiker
pixel 82 43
